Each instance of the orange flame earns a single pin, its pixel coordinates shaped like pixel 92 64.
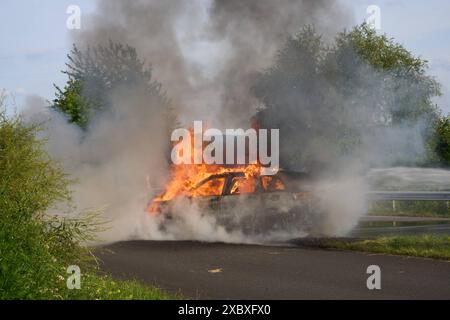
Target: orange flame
pixel 186 177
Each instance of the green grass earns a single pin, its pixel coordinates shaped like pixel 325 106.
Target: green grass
pixel 426 246
pixel 104 287
pixel 432 209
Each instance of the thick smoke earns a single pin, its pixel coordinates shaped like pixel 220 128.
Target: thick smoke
pixel 205 53
pixel 112 162
pixel 409 179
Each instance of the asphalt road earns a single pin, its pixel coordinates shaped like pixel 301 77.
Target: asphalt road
pixel 223 271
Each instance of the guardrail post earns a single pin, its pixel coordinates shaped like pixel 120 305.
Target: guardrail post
pixel 393 205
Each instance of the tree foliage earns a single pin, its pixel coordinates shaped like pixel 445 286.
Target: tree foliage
pixel 441 143
pixel 71 102
pixel 402 76
pixel 329 100
pixel 95 73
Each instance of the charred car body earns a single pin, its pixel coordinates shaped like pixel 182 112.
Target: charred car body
pixel 252 204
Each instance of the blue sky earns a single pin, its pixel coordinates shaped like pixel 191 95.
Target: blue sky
pixel 35 40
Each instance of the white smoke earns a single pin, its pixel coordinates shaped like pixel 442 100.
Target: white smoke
pixel 110 162
pixel 344 202
pixel 409 179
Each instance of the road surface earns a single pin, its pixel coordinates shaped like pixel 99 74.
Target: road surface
pixel 223 271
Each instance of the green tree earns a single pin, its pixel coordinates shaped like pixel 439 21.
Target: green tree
pixel 330 101
pixel 29 184
pixel 95 73
pixel 71 101
pixel 406 91
pixel 442 141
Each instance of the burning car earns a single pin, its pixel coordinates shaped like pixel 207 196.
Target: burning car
pixel 241 199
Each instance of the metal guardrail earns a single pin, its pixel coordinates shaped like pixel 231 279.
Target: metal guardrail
pixel 411 196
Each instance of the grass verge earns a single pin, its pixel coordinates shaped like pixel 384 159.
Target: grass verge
pixel 104 287
pixel 36 247
pixel 426 246
pixel 432 209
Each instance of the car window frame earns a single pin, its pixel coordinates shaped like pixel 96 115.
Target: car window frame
pixel 228 184
pixel 272 191
pixel 257 187
pixel 212 177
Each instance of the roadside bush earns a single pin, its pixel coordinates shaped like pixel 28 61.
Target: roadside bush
pixel 36 248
